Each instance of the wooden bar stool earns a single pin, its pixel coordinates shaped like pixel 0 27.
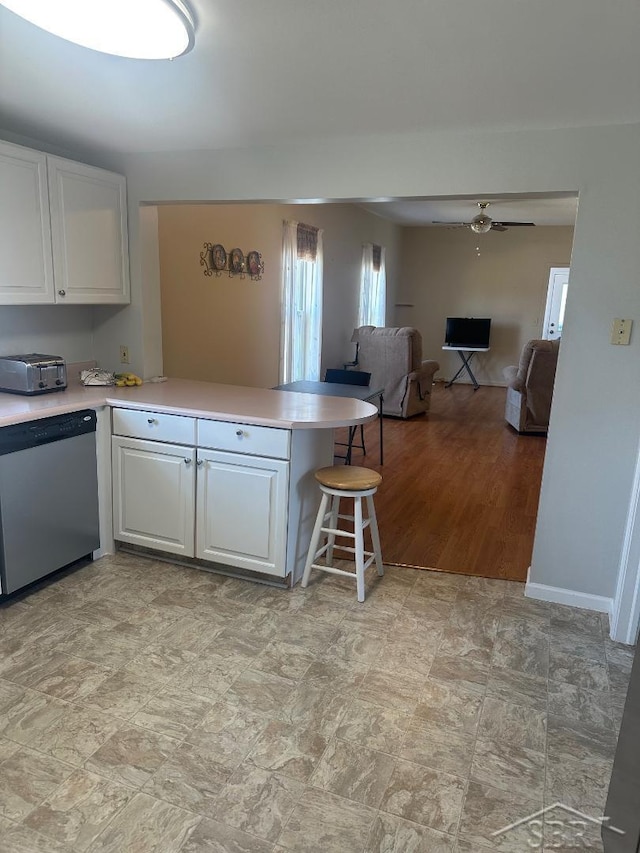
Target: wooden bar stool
pixel 339 482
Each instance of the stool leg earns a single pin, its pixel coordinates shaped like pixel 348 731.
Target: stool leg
pixel 315 538
pixel 375 536
pixel 333 522
pixel 357 520
pixel 352 432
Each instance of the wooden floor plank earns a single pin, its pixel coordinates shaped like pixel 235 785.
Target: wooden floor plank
pixel 460 489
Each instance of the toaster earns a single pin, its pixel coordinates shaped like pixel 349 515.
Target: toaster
pixel 33 373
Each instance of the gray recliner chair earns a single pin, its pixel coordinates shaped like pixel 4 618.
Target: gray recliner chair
pixel 530 386
pixel 393 357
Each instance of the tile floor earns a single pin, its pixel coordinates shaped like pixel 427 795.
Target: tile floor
pixel 148 707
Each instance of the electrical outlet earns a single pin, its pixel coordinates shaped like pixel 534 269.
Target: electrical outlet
pixel 124 355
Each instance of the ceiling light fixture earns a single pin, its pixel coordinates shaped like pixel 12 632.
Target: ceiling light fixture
pixel 481 223
pixel 144 29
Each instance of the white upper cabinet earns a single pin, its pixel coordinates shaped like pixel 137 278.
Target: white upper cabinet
pixel 63 231
pixel 89 233
pixel 26 268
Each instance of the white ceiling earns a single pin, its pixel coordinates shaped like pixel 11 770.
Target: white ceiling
pixel 262 73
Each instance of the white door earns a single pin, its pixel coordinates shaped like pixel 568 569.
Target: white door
pixel 241 515
pixel 89 233
pixel 154 494
pixel 26 268
pixel 556 302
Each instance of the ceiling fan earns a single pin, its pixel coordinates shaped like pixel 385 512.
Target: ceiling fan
pixel 482 223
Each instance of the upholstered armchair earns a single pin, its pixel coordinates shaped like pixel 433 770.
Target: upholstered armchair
pixel 393 357
pixel 530 386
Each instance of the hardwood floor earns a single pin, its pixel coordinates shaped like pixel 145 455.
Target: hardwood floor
pixel 460 489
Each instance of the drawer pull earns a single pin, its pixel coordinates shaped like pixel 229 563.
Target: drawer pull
pixel 239 432
pixel 151 421
pixel 200 462
pixel 62 293
pixel 187 461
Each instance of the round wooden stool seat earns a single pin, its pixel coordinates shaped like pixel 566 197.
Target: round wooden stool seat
pixel 348 478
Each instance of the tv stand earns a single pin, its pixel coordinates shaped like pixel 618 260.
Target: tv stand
pixel 466 362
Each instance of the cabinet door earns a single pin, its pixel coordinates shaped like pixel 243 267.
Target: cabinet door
pixel 153 494
pixel 26 270
pixel 89 233
pixel 241 515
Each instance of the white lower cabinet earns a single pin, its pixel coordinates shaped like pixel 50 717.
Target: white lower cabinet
pixel 154 494
pixel 226 507
pixel 241 511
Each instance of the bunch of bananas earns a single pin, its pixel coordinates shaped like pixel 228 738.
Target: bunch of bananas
pixel 127 379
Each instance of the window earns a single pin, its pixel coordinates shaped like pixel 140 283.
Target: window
pixel 301 332
pixel 373 287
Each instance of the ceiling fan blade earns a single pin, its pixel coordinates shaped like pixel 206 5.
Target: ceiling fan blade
pixel 451 224
pixel 514 224
pixel 498 226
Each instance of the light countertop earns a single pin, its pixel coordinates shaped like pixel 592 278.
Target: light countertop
pixel 235 403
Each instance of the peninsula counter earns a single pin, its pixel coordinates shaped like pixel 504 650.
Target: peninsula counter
pixel 219 476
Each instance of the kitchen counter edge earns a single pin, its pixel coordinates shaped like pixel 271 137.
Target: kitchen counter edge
pixel 188 398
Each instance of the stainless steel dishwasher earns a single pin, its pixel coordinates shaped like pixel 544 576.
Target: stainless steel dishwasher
pixel 48 496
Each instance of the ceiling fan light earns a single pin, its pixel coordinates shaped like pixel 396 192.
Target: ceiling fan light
pixel 145 29
pixel 481 223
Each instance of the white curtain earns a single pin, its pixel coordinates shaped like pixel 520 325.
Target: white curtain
pixel 372 306
pixel 289 258
pixel 301 309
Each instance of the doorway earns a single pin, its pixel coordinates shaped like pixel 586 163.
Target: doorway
pixel 477 517
pixel 556 303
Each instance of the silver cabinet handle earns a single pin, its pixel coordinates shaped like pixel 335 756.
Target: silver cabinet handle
pixel 239 432
pixel 62 293
pixel 200 462
pixel 151 420
pixel 187 461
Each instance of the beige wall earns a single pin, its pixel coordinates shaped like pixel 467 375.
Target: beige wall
pixel 442 276
pixel 228 329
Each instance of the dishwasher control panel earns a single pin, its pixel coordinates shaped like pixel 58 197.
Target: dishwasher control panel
pixel 46 430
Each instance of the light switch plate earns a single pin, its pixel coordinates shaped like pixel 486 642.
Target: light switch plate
pixel 621 331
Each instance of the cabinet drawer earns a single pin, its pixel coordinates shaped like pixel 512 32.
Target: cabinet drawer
pixel 154 426
pixel 243 438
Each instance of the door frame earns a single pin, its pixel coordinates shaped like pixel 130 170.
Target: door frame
pixel 625 608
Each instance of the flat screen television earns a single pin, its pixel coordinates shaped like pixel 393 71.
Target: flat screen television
pixel 462 332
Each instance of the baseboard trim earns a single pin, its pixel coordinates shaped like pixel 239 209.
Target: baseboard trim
pixel 558 595
pixel 102 552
